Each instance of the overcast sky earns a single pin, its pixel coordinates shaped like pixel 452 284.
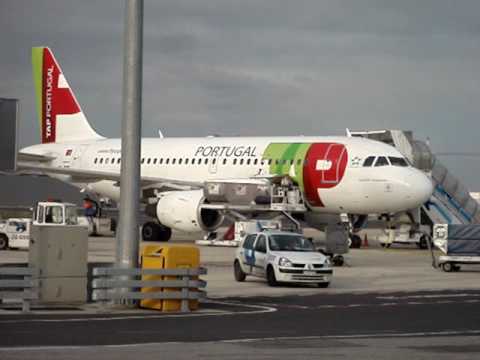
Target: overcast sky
pixel 263 67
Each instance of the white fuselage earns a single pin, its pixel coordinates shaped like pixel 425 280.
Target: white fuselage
pixel 355 189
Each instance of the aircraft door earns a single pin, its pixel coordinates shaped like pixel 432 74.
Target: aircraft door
pixel 324 168
pixel 334 156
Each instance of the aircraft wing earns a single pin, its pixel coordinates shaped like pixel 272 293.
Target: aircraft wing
pixel 96 175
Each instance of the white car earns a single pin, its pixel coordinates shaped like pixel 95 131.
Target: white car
pixel 281 257
pixel 15 233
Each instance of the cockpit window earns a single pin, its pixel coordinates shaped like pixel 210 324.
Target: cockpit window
pixel 369 161
pixel 398 161
pixel 381 161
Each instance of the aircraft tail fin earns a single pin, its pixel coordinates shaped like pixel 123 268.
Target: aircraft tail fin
pixel 61 117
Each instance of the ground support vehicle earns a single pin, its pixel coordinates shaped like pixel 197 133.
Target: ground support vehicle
pixel 460 244
pixel 15 233
pixel 98 226
pixel 281 257
pixel 405 234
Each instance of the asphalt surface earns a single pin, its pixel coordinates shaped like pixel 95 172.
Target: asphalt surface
pixel 385 303
pixel 380 315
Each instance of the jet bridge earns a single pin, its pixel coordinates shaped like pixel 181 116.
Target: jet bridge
pixel 451 202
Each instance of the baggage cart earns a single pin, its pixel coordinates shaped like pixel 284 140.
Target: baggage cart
pixel 459 243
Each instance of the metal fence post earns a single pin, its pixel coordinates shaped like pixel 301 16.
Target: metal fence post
pixel 185 291
pixel 27 294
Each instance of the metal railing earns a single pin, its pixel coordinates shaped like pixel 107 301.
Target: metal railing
pixel 116 283
pixel 17 284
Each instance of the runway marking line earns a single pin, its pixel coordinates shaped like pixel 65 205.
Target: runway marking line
pixel 427 296
pixel 251 340
pixel 440 302
pixel 260 310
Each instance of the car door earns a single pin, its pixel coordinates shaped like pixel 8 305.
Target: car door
pixel 247 254
pixel 260 255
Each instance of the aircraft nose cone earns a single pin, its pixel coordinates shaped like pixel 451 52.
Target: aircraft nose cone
pixel 422 188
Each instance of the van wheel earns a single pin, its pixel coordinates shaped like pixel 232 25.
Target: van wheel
pixel 323 284
pixel 3 242
pixel 447 267
pixel 271 279
pixel 422 243
pixel 238 272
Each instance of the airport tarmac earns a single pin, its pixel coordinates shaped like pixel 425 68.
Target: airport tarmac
pixel 383 303
pixel 372 269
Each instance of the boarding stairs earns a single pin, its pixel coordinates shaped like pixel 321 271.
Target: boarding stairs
pixel 451 202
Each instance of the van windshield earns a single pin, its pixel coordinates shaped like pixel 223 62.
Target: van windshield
pixel 287 242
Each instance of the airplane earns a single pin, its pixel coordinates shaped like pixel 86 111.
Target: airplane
pixel 335 174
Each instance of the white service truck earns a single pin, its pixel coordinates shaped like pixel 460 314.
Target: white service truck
pixel 15 233
pixel 405 234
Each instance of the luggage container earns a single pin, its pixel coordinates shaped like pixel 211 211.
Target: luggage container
pixel 460 244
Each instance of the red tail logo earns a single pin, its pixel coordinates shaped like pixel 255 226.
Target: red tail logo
pixel 57 98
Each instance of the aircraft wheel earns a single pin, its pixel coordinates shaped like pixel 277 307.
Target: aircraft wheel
pixel 338 260
pixel 356 241
pixel 152 231
pixel 422 244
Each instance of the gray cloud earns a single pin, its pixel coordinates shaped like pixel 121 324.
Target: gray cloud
pixel 263 67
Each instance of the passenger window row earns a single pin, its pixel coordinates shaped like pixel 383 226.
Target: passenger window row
pixel 385 161
pixel 205 161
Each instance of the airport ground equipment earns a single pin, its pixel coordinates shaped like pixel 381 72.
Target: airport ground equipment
pixel 167 281
pixel 336 242
pixel 15 233
pixel 405 234
pixel 281 257
pixel 459 243
pixel 98 226
pixel 18 284
pixel 244 227
pixel 168 257
pixel 58 249
pixel 94 219
pixel 277 195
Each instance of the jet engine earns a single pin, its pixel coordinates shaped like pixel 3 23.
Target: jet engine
pixel 182 210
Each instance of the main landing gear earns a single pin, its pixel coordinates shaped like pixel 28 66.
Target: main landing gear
pixel 356 241
pixel 153 231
